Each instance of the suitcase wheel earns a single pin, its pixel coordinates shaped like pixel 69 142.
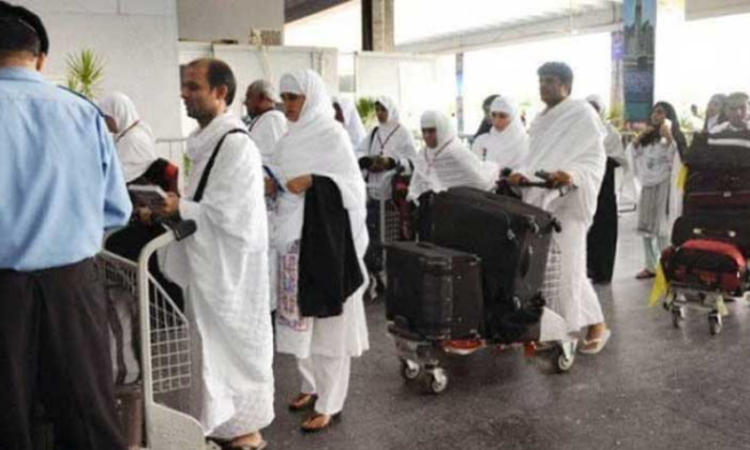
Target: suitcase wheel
pixel 678 315
pixel 564 362
pixel 410 370
pixel 435 381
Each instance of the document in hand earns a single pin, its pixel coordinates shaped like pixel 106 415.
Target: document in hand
pixel 147 196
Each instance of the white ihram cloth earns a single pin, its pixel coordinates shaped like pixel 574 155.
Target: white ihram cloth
pixel 317 145
pixel 507 148
pixel 450 164
pixel 223 269
pixel 569 137
pixel 266 130
pixel 136 146
pixel 390 140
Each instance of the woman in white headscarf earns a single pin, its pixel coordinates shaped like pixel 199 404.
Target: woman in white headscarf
pixel 322 328
pixel 133 138
pixel 388 149
pixel 445 162
pixel 507 142
pixel 347 114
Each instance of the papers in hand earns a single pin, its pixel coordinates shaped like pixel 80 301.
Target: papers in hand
pixel 148 196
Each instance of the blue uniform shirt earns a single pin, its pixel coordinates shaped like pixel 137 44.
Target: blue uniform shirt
pixel 61 184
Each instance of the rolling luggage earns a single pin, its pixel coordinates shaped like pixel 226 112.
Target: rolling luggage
pixel 510 237
pixel 706 265
pixel 717 190
pixel 733 228
pixel 434 292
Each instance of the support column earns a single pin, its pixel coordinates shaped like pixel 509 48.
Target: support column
pixel 378 25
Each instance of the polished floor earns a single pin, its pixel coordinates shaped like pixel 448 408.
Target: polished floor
pixel 654 387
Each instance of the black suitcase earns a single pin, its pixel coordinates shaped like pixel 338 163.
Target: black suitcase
pixel 512 239
pixel 717 190
pixel 434 292
pixel 725 227
pixel 703 155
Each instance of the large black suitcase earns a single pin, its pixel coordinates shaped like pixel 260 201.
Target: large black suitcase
pixel 704 155
pixel 717 190
pixel 434 292
pixel 512 239
pixel 726 227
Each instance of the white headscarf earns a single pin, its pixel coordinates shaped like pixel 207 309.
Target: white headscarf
pixel 509 147
pixel 134 139
pixel 316 144
pixel 393 114
pixel 450 164
pixel 352 121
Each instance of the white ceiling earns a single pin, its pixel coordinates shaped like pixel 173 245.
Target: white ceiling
pixel 421 23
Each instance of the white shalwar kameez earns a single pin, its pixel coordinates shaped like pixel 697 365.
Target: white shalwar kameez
pixel 390 140
pixel 317 145
pixel 223 269
pixel 450 163
pixel 507 148
pixel 266 130
pixel 569 137
pixel 136 146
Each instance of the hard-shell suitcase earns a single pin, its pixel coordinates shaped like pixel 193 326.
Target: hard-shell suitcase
pixel 707 265
pixel 513 241
pixel 434 292
pixel 733 228
pixel 717 190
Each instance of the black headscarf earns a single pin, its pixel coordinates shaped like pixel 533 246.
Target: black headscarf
pixel 655 136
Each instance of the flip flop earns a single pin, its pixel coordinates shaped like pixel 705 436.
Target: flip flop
pixel 260 446
pixel 296 406
pixel 599 344
pixel 645 274
pixel 331 420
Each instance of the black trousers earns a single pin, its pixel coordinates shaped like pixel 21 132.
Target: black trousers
pixel 54 349
pixel 602 237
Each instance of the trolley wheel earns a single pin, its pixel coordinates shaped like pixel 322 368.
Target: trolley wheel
pixel 410 370
pixel 714 323
pixel 436 381
pixel 562 362
pixel 678 316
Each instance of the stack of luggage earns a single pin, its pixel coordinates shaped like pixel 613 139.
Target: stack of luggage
pixel 477 271
pixel 711 240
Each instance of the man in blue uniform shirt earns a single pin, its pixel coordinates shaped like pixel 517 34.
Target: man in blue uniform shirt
pixel 60 188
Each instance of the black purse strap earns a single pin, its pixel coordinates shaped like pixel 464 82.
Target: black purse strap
pixel 204 177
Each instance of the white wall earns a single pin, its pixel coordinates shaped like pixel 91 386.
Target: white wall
pixel 339 27
pixel 138 40
pixel 213 20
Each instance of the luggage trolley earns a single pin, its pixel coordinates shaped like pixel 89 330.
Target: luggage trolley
pixel 165 350
pixel 702 288
pixel 421 357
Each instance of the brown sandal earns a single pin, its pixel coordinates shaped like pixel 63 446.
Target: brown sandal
pixel 308 427
pixel 303 402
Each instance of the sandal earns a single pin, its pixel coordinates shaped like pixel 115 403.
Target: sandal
pixel 596 345
pixel 303 402
pixel 645 274
pixel 308 427
pixel 260 446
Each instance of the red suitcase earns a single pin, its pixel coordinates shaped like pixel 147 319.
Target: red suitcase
pixel 706 265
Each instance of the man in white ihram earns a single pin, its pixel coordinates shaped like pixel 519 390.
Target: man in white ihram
pixel 567 140
pixel 223 267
